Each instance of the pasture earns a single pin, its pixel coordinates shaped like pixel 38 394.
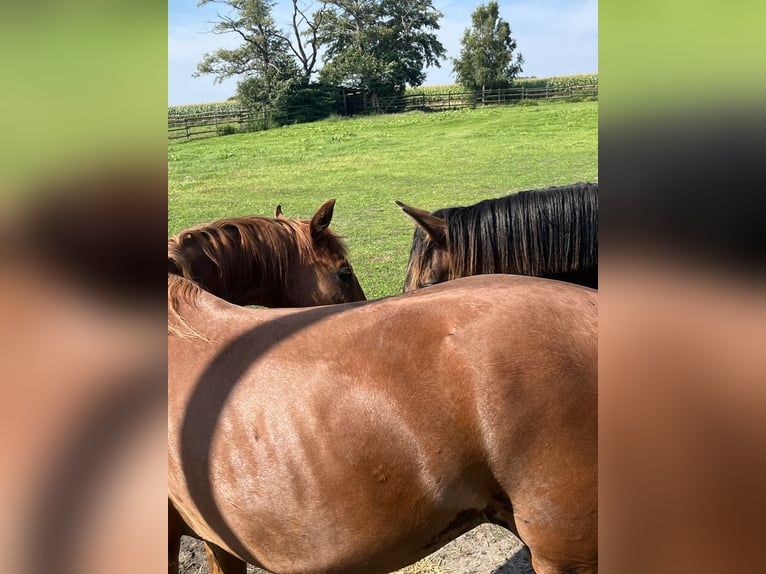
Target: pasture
pixel 428 160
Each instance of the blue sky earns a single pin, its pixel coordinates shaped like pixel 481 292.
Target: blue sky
pixel 556 37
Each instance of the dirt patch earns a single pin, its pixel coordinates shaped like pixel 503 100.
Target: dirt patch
pixel 487 549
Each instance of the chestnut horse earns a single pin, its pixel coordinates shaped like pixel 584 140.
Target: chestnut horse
pixel 549 233
pixel 362 437
pixel 260 261
pixel 277 262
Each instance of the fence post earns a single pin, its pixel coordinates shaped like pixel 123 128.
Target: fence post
pixel 186 127
pixel 241 119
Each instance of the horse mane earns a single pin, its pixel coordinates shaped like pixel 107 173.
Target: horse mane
pixel 536 232
pixel 181 290
pixel 222 254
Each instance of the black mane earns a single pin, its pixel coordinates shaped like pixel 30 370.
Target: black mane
pixel 549 232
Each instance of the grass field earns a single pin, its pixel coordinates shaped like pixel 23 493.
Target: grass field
pixel 429 160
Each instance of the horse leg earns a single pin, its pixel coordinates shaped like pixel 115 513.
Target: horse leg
pixel 546 554
pixel 174 547
pixel 176 528
pixel 221 562
pixel 550 554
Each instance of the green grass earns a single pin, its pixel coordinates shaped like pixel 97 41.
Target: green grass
pixel 427 160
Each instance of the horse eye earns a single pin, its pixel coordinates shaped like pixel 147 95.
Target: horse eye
pixel 345 274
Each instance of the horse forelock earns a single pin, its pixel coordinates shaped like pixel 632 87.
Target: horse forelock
pixel 417 256
pixel 512 234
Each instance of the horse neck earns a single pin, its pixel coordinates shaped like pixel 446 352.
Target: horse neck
pixel 261 287
pixel 272 283
pixel 254 271
pixel 511 235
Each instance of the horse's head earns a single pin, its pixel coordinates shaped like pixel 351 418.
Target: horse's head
pixel 429 257
pixel 277 262
pixel 328 276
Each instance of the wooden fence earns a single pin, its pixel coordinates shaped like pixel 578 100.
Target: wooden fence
pixel 223 122
pixel 211 123
pixel 513 95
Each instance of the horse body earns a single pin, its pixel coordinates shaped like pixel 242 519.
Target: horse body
pixel 362 437
pixel 551 233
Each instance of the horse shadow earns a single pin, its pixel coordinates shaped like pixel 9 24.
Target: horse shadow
pixel 516 564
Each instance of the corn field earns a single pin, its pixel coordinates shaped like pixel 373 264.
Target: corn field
pixel 193 110
pixel 531 83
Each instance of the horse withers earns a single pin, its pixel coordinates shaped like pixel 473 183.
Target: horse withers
pixel 362 437
pixel 277 262
pixel 550 233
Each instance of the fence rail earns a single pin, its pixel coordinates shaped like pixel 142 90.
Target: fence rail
pixel 205 124
pixel 221 122
pixel 511 95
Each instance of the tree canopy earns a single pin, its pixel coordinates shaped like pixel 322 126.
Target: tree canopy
pixel 486 59
pixel 264 61
pixel 265 49
pixel 380 46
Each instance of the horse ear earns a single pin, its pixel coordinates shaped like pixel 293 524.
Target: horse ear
pixel 435 227
pixel 322 218
pixel 278 213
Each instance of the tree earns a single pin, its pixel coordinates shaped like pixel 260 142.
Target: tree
pixel 269 61
pixel 486 59
pixel 304 26
pixel 381 46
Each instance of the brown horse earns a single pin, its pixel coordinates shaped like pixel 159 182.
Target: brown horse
pixel 549 233
pixel 362 437
pixel 277 262
pixel 260 261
